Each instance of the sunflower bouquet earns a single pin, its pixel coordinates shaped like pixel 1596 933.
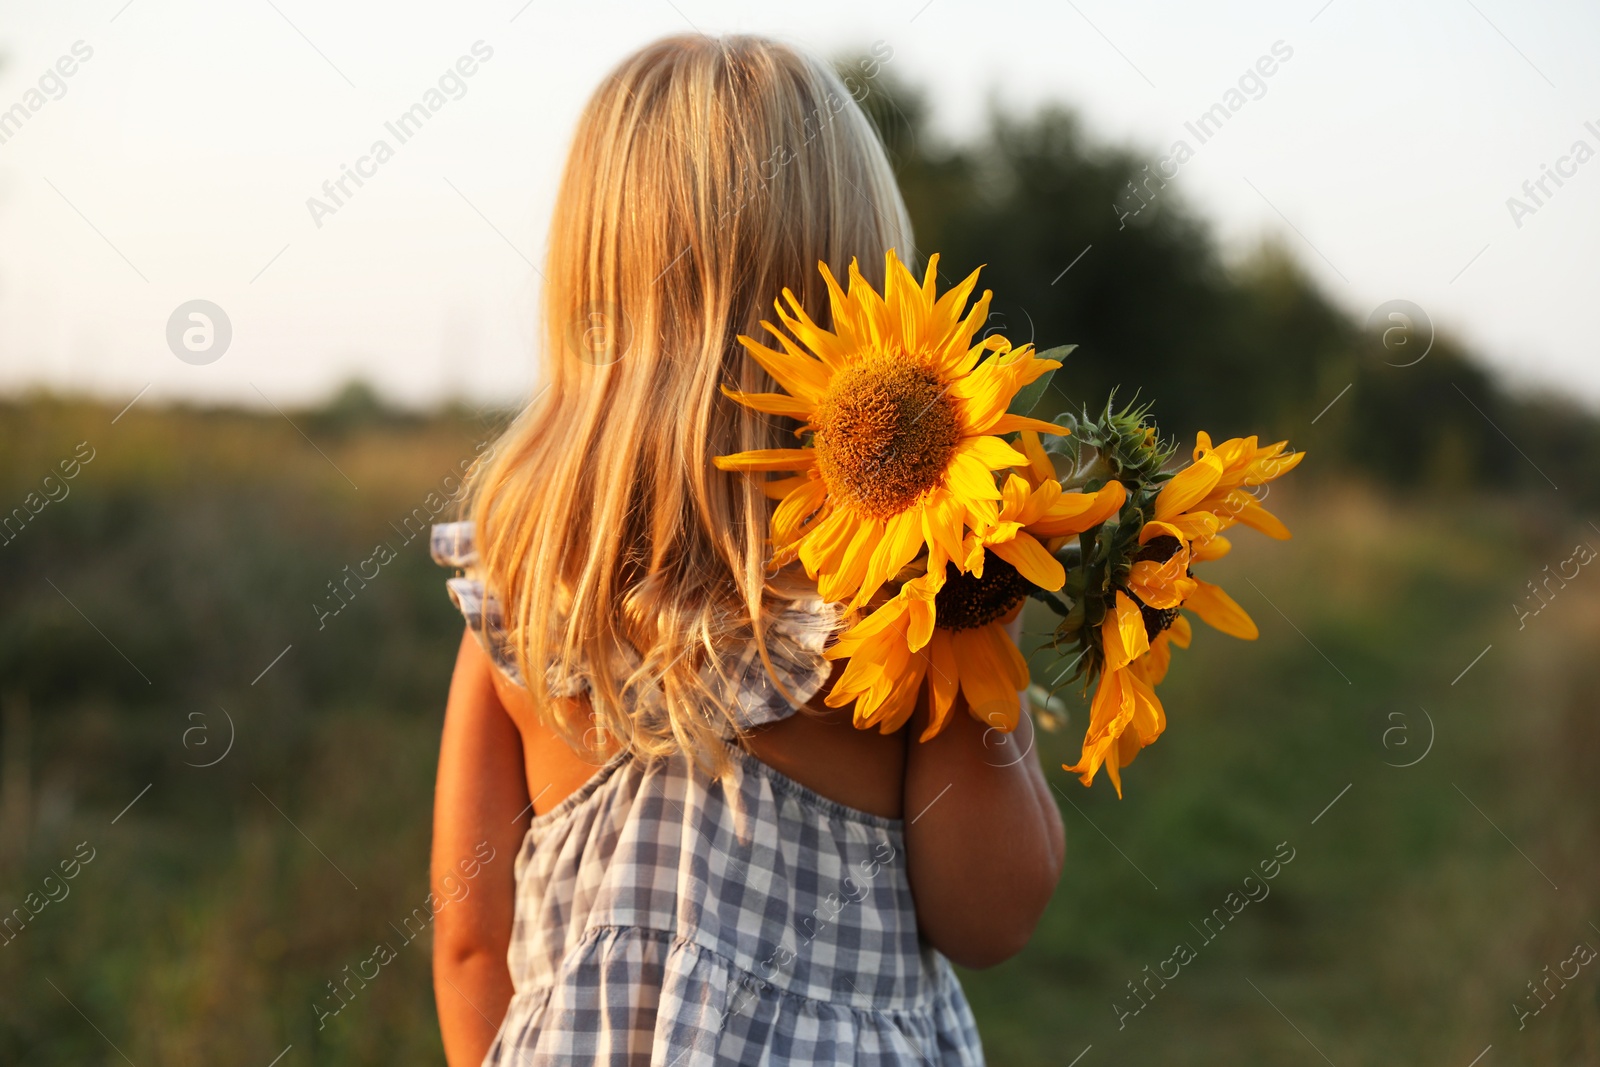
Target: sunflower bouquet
pixel 926 499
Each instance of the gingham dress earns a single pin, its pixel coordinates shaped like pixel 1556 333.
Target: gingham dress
pixel 664 918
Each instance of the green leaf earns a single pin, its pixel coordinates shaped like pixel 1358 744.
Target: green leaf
pixel 1028 396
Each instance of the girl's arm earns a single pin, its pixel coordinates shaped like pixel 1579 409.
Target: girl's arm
pixel 480 792
pixel 984 841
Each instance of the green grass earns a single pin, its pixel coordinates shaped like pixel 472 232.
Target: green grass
pixel 1406 924
pixel 208 925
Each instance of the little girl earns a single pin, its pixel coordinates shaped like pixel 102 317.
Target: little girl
pixel 693 860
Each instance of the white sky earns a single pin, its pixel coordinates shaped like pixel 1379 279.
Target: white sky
pixel 193 136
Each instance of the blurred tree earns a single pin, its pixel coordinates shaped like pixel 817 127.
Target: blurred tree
pixel 356 405
pixel 1155 310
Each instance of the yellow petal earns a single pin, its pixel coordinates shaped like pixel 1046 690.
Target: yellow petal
pixel 992 452
pixel 930 277
pixel 1009 423
pixel 1113 753
pixel 877 654
pixel 1014 497
pixel 1112 706
pixel 944 682
pixel 993 673
pixel 871 311
pixel 920 594
pixel 772 403
pixel 826 345
pixel 1149 719
pixel 825 542
pixel 1076 512
pixel 1039 464
pixel 841 309
pixel 1152 530
pixel 984 395
pixel 871 628
pixel 779 488
pixel 806 378
pixel 790 517
pixel 768 459
pixel 948 331
pixel 995 533
pixel 1152 666
pixel 1122 633
pixel 842 581
pixel 1109 714
pixel 1266 468
pixel 943 518
pixel 1027 555
pixel 971 558
pixel 1144 726
pixel 1039 502
pixel 902 540
pixel 1220 612
pixel 1195 525
pixel 1189 486
pixel 967 477
pixel 906 304
pixel 1257 517
pixel 1161 585
pixel 901 700
pixel 981 513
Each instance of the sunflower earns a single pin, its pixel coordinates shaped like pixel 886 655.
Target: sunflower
pixel 1029 511
pixel 1071 513
pixel 1146 673
pixel 1145 621
pixel 903 412
pixel 1136 637
pixel 1184 532
pixel 1161 581
pixel 1242 466
pixel 1125 714
pixel 948 624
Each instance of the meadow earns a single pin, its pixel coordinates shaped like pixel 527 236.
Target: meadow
pixel 1366 837
pixel 1410 755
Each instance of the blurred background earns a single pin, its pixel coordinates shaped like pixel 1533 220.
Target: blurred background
pixel 1366 230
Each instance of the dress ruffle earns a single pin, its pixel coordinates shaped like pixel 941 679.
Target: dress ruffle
pixel 627 997
pixel 796 638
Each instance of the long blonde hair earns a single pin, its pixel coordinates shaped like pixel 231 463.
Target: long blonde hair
pixel 705 175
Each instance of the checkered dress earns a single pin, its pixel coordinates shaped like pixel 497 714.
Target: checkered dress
pixel 667 919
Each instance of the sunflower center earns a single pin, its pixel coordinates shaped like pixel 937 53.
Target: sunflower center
pixel 885 434
pixel 966 602
pixel 1159 549
pixel 1155 619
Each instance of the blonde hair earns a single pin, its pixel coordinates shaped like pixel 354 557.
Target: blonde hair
pixel 705 176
